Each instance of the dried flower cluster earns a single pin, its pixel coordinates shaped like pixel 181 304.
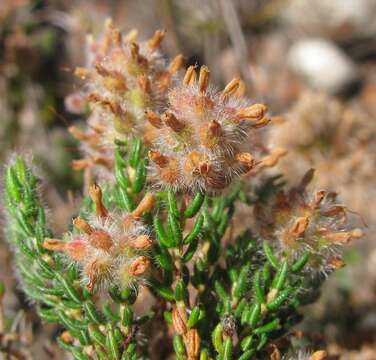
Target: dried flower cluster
pixel 298 222
pixel 201 141
pixel 111 249
pixel 124 79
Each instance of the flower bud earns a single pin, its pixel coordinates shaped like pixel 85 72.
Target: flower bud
pixel 156 40
pixel 203 80
pixel 82 225
pixel 142 242
pixel 176 64
pixel 254 112
pixel 95 193
pixel 231 87
pixel 139 266
pixel 190 75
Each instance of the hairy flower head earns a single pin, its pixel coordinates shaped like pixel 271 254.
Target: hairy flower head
pixel 202 136
pixel 109 248
pixel 123 79
pixel 298 222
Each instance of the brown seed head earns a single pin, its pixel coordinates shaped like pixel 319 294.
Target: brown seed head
pixel 110 105
pixel 96 270
pixel 114 107
pixel 115 82
pixel 334 211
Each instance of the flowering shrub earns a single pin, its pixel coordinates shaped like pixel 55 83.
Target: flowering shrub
pixel 171 157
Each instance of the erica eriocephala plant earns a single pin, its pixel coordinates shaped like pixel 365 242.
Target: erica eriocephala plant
pixel 152 252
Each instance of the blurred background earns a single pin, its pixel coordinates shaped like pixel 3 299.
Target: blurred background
pixel 311 61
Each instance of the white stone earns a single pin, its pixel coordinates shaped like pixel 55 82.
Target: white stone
pixel 322 64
